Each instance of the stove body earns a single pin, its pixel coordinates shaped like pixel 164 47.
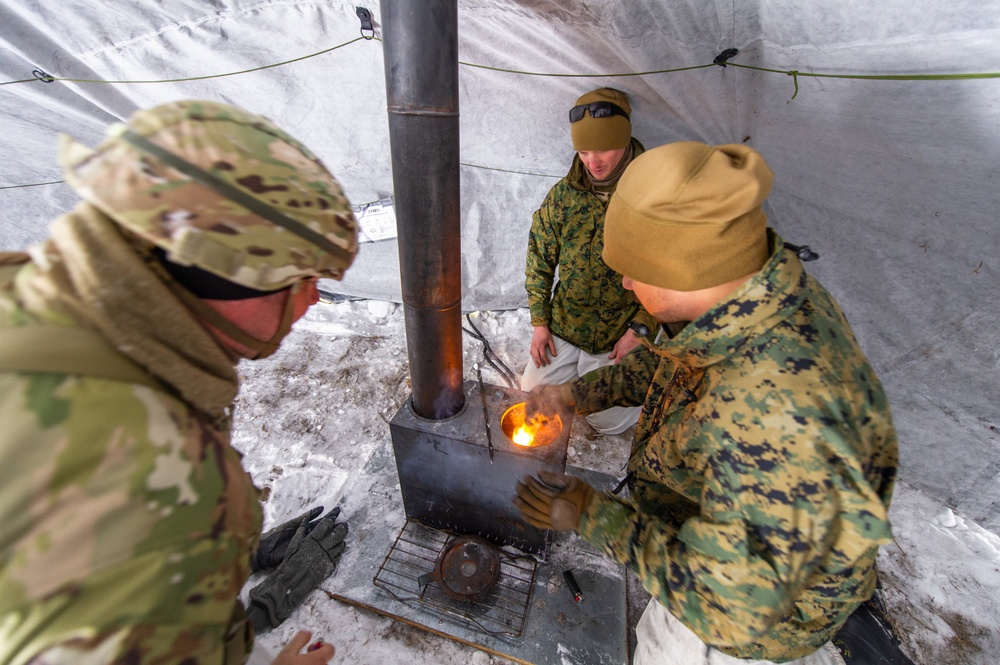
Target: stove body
pixel 446 476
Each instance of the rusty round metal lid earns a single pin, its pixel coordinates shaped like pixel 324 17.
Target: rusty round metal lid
pixel 469 568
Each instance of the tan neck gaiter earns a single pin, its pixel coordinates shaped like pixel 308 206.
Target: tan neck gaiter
pixel 89 271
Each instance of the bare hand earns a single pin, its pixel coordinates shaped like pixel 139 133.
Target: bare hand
pixel 542 345
pixel 627 342
pixel 291 655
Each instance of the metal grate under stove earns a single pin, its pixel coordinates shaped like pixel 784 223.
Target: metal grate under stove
pixel 416 552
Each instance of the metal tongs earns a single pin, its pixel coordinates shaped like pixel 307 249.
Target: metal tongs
pixel 486 413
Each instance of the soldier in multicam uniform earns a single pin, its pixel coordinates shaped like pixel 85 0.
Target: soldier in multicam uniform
pixel 588 320
pixel 126 519
pixel 764 459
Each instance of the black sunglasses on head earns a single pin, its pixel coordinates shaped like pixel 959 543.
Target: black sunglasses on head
pixel 597 110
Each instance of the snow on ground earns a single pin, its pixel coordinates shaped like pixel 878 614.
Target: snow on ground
pixel 309 418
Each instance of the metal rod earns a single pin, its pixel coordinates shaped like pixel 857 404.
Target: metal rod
pixel 420 47
pixel 486 412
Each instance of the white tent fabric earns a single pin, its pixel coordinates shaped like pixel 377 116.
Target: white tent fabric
pixel 891 182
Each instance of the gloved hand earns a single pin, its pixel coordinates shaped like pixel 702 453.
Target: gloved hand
pixel 547 400
pixel 553 500
pixel 311 557
pixel 274 542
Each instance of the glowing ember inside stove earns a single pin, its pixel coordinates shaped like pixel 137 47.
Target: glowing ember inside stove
pixel 539 431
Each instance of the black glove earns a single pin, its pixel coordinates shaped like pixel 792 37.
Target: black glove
pixel 553 500
pixel 311 557
pixel 274 542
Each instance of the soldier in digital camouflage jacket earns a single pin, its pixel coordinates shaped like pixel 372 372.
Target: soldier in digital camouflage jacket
pixel 587 307
pixel 761 471
pixel 126 519
pixel 764 459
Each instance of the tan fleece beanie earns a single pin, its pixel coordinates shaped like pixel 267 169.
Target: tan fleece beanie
pixel 687 216
pixel 611 133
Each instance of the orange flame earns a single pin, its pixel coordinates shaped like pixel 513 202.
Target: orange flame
pixel 523 436
pixel 541 430
pixel 526 433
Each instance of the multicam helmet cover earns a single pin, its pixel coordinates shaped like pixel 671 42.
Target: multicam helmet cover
pixel 221 189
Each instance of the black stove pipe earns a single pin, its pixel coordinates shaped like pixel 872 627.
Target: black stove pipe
pixel 420 48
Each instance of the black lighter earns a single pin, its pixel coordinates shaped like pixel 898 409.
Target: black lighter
pixel 573 586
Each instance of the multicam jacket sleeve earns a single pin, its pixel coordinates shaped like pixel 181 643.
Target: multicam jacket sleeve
pixel 126 525
pixel 761 471
pixel 588 306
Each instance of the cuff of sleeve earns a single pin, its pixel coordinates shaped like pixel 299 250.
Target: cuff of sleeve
pixel 584 399
pixel 647 320
pixel 603 523
pixel 539 315
pixel 566 394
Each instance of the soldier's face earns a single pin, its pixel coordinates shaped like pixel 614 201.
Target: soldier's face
pixel 665 305
pixel 600 163
pixel 668 306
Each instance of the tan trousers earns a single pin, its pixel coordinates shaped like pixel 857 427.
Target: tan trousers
pixel 664 640
pixel 571 363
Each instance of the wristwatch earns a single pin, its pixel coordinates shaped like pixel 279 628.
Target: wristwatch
pixel 639 329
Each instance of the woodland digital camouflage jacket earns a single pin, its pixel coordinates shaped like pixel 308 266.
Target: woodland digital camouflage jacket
pixel 761 471
pixel 126 520
pixel 589 307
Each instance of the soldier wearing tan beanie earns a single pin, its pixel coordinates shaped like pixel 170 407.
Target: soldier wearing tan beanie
pixel 587 318
pixel 688 216
pixel 765 456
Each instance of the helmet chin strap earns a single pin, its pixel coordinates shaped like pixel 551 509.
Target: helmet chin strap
pixel 268 348
pixel 230 329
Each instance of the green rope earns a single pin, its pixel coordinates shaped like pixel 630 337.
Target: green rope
pixel 473 166
pixel 195 78
pixel 879 77
pixel 21 81
pixel 35 184
pixel 494 168
pixel 524 73
pixel 795 74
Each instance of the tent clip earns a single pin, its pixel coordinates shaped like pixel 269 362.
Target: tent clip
pixel 42 76
pixel 720 59
pixel 366 22
pixel 803 252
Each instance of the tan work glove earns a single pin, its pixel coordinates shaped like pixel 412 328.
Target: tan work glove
pixel 548 400
pixel 553 500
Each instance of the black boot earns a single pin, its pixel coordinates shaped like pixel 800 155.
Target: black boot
pixel 868 637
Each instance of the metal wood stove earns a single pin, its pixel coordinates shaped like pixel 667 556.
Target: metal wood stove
pixel 450 479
